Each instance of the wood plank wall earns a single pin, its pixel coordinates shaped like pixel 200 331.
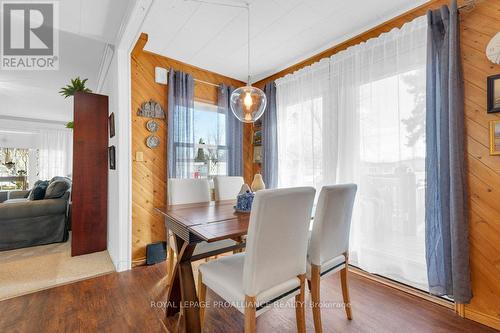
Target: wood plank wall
pixel 149 177
pixel 477 28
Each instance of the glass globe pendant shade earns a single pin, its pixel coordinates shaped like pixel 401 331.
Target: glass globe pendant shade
pixel 248 103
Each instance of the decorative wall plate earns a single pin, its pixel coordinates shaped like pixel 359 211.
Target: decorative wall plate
pixel 493 49
pixel 152 126
pixel 152 141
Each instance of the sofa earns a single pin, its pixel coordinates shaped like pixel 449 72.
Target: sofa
pixel 27 222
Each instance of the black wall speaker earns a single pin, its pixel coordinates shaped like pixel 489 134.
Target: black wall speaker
pixel 156 252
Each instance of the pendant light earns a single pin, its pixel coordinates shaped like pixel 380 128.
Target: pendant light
pixel 248 103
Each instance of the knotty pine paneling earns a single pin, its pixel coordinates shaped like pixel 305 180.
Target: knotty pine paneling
pixel 477 28
pixel 149 177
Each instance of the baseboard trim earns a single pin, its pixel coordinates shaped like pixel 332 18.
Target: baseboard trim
pixel 139 262
pixel 403 288
pixel 482 318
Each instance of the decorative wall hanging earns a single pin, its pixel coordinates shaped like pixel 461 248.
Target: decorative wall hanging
pixel 112 157
pixel 151 109
pixel 495 137
pixel 493 49
pixel 152 126
pixel 493 86
pixel 111 121
pixel 152 141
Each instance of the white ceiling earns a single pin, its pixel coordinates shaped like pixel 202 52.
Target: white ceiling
pixel 85 28
pixel 283 32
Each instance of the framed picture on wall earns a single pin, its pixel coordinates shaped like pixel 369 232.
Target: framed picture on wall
pixel 112 157
pixel 493 93
pixel 112 125
pixel 495 137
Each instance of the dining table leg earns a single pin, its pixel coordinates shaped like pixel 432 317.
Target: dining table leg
pixel 182 291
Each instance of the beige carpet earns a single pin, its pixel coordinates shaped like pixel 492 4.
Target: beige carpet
pixel 24 271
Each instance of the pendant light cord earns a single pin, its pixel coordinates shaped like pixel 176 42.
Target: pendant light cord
pixel 248 51
pixel 238 4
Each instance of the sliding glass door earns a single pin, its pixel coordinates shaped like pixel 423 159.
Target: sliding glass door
pixel 359 117
pixel 387 236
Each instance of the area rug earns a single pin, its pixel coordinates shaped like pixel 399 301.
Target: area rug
pixel 24 271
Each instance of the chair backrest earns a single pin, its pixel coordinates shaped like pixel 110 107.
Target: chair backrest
pixel 227 187
pixel 332 223
pixel 185 191
pixel 277 237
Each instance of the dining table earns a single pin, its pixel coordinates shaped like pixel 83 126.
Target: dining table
pixel 191 224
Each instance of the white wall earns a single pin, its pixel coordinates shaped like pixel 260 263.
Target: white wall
pixel 114 222
pixel 116 84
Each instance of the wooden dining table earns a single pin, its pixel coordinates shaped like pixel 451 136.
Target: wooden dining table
pixel 190 225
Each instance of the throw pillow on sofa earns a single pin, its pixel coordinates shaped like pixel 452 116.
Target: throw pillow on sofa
pixel 56 189
pixel 38 191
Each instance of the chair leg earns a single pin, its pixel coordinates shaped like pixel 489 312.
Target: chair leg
pixel 345 287
pixel 170 261
pixel 315 296
pixel 300 306
pixel 250 314
pixel 202 296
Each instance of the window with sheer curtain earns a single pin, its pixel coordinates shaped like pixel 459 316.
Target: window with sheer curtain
pixel 359 117
pixel 55 154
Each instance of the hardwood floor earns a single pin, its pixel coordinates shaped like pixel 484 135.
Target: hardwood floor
pixel 131 302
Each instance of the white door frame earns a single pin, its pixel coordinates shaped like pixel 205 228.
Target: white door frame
pixel 127 37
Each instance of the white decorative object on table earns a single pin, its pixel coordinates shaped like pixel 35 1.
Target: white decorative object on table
pixel 244 189
pixel 258 183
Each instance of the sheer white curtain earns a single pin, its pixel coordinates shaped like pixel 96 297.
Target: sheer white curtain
pixel 55 153
pixel 305 122
pixel 370 130
pixel 383 149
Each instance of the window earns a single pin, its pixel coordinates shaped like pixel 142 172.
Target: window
pixel 388 235
pixel 209 152
pixel 15 166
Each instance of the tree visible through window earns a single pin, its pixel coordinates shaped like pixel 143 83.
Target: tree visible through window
pixel 14 168
pixel 210 149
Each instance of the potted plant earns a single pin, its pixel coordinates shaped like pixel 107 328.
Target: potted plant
pixel 77 84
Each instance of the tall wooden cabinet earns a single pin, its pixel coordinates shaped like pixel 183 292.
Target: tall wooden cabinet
pixel 89 210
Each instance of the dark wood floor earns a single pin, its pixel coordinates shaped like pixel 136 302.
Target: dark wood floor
pixel 129 302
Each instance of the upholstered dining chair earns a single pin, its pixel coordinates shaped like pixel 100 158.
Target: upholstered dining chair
pixel 186 191
pixel 329 243
pixel 274 265
pixel 227 187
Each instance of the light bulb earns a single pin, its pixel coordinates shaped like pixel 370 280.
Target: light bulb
pixel 248 100
pixel 248 103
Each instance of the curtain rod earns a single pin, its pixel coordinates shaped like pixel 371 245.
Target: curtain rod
pixel 201 81
pixel 468 5
pixel 206 82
